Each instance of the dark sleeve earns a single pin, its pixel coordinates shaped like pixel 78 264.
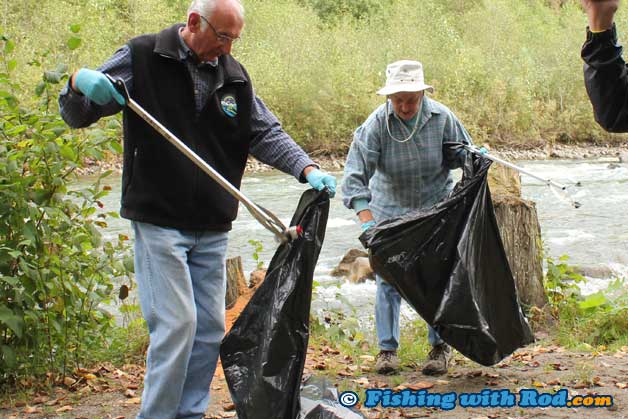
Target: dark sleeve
pixel 78 111
pixel 606 79
pixel 273 146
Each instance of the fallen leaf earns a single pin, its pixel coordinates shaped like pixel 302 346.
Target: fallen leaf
pixel 621 386
pixel 554 382
pixel 134 400
pixel 363 381
pixel 367 358
pixel 69 381
pixel 89 376
pixel 119 417
pixel 320 366
pixel 65 408
pixel 52 402
pixel 328 350
pixel 581 385
pixel 228 407
pixel 40 400
pixel 420 385
pixel 539 384
pixel 31 409
pixel 129 393
pixel 229 415
pixel 345 374
pixel 474 374
pixel 441 382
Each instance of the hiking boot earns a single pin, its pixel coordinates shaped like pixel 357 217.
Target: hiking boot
pixel 438 360
pixel 387 362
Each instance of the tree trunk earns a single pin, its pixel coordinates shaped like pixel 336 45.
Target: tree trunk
pixel 236 284
pixel 521 235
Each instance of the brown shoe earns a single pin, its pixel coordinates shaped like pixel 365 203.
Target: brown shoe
pixel 438 360
pixel 386 362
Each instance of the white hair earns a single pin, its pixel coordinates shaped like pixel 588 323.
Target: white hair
pixel 206 8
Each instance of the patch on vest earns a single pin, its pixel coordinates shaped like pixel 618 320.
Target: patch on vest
pixel 229 106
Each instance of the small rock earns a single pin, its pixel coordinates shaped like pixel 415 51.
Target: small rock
pixel 344 267
pixel 360 270
pixel 257 277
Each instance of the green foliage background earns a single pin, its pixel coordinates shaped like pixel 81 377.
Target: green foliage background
pixel 57 272
pixel 510 69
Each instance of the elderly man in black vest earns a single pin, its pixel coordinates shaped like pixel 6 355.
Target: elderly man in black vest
pixel 186 78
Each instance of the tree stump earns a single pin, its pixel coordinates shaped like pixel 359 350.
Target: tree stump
pixel 236 284
pixel 521 234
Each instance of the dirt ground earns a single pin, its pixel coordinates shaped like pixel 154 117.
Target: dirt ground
pixel 110 393
pixel 107 392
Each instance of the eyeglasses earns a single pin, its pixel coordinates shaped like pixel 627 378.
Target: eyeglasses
pixel 225 39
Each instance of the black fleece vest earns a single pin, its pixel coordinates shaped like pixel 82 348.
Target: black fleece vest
pixel 159 184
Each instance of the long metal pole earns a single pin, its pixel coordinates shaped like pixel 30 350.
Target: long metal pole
pixel 513 166
pixel 271 222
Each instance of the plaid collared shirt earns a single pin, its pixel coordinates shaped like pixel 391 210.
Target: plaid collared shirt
pixel 270 144
pixel 395 177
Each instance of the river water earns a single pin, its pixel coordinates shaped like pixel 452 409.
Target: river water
pixel 594 235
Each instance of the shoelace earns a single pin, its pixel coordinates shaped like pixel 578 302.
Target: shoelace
pixel 386 356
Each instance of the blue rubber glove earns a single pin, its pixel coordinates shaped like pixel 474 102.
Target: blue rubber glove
pixel 483 150
pixel 97 87
pixel 365 226
pixel 319 180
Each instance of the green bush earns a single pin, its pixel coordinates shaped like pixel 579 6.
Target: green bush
pixel 598 319
pixel 56 271
pixel 332 11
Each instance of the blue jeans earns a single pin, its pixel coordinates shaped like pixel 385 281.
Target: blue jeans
pixel 387 303
pixel 181 286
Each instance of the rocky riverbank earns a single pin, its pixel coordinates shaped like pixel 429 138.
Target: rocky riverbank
pixel 617 153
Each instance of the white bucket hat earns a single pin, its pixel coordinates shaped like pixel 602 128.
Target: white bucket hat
pixel 404 76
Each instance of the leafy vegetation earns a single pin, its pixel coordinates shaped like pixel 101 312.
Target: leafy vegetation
pixel 599 319
pixel 258 247
pixel 511 70
pixel 57 271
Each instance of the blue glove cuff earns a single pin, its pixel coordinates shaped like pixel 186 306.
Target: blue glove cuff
pixel 360 204
pixel 365 226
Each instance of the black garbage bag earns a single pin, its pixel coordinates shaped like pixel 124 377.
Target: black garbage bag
pixel 448 262
pixel 319 400
pixel 264 352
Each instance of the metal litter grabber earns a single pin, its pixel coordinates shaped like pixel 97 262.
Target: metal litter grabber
pixel 562 195
pixel 265 217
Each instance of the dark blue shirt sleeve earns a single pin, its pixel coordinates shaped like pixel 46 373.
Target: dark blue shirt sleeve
pixel 78 111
